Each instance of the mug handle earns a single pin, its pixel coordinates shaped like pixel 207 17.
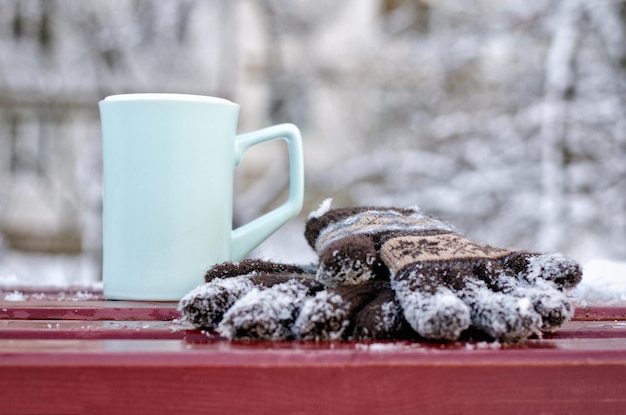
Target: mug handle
pixel 247 237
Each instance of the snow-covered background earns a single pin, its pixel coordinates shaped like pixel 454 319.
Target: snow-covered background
pixel 506 118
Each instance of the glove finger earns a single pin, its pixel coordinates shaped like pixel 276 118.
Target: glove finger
pixel 431 308
pixel 381 318
pixel 547 300
pixel 328 315
pixel 551 304
pixel 266 313
pixel 253 267
pixel 564 272
pixel 349 261
pixel 502 316
pixel 204 306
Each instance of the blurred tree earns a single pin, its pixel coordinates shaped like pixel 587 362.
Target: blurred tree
pixel 506 118
pixel 509 121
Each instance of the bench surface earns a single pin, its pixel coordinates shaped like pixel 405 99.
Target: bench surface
pixel 71 351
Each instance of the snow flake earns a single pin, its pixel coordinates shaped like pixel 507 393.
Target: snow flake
pixel 14 296
pixel 322 209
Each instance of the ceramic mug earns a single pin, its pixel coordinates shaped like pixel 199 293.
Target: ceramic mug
pixel 168 165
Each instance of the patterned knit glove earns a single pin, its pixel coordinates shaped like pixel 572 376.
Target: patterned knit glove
pixel 444 282
pixel 255 299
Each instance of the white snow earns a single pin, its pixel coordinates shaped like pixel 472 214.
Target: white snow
pixel 204 305
pixel 325 307
pixel 380 347
pixel 389 317
pixel 322 209
pixel 47 270
pixel 351 272
pixel 441 315
pixel 14 296
pixel 603 283
pixel 82 296
pixel 265 313
pixel 483 345
pixel 525 306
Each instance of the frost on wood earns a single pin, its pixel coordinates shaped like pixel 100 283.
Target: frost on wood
pixel 14 296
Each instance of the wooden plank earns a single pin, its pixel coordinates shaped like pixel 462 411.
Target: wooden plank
pixel 88 310
pixel 597 329
pixel 338 390
pixel 125 376
pixel 151 329
pixel 406 389
pixel 599 313
pixel 150 310
pixel 89 329
pixel 266 353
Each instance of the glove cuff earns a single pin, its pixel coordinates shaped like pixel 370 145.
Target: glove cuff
pixel 379 221
pixel 398 252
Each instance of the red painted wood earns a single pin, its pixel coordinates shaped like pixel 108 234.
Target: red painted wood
pixel 403 389
pixel 286 377
pixel 87 329
pixel 589 329
pixel 88 310
pixel 150 329
pixel 596 313
pixel 264 353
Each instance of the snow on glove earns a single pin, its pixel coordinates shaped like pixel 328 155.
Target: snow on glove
pixel 444 282
pixel 368 310
pixel 210 305
pixel 256 299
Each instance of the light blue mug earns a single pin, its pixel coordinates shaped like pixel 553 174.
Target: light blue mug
pixel 168 171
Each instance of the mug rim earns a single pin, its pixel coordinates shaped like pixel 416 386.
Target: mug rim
pixel 158 96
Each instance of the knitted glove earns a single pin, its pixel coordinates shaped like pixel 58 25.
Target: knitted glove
pixel 256 299
pixel 211 305
pixel 444 282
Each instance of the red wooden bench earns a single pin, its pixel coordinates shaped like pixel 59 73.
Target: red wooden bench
pixel 71 352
